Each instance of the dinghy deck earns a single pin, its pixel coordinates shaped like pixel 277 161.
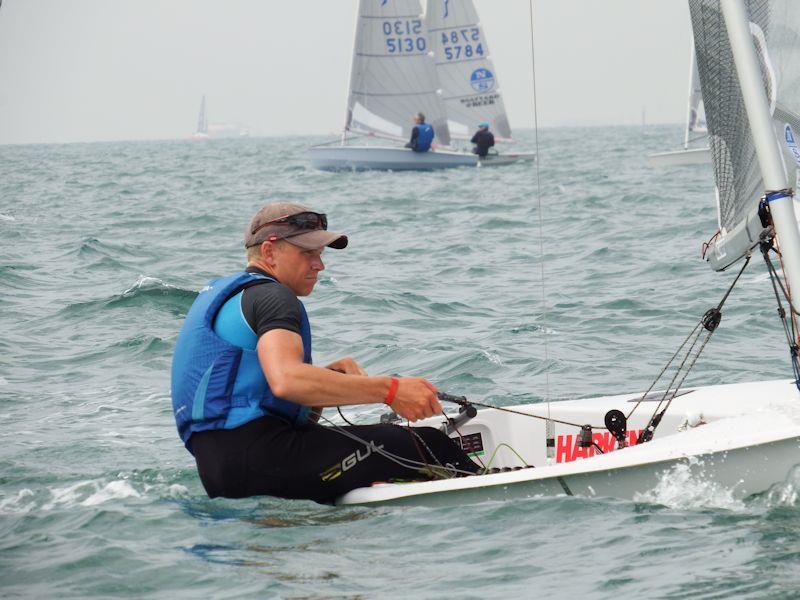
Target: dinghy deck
pixel 741 437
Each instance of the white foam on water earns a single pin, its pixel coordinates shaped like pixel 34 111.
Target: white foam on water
pixel 684 486
pixel 176 491
pixel 6 217
pixel 114 490
pixel 22 502
pixel 67 496
pixel 3 381
pixel 144 282
pixel 493 358
pixel 786 493
pixel 86 493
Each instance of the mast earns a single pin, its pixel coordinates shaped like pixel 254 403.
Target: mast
pixel 202 122
pixel 347 114
pixel 748 71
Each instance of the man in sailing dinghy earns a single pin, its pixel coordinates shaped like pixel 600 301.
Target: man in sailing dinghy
pixel 246 396
pixel 421 135
pixel 483 140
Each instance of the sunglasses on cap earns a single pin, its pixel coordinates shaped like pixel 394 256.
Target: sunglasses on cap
pixel 303 220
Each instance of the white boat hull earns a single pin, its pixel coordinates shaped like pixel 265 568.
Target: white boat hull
pixel 389 158
pixel 695 156
pixel 739 439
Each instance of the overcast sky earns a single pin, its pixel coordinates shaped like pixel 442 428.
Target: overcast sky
pixel 84 70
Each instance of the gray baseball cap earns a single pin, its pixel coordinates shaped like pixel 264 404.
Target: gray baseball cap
pixel 294 223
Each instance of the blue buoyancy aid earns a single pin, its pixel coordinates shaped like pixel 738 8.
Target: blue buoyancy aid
pixel 217 384
pixel 424 137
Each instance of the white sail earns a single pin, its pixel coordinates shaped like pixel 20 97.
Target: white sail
pixel 202 119
pixel 695 115
pixel 467 76
pixel 393 76
pixel 775 30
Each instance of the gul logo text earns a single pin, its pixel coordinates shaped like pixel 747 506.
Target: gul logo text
pixel 350 461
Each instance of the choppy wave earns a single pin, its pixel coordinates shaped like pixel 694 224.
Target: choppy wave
pixel 146 292
pixel 442 279
pixel 86 493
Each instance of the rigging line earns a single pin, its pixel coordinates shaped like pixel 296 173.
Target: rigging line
pixel 705 322
pixel 465 402
pixel 664 370
pixel 407 463
pixel 655 419
pixel 504 445
pixel 788 328
pixel 780 283
pixel 414 438
pixel 461 439
pixel 710 322
pixel 341 414
pixel 535 108
pixel 793 312
pixel 679 370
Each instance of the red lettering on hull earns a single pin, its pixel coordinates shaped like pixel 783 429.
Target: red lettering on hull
pixel 567 449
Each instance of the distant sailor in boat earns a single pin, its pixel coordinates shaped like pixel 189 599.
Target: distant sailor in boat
pixel 483 140
pixel 421 135
pixel 246 396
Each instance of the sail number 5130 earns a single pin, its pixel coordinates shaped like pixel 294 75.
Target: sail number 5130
pixel 404 36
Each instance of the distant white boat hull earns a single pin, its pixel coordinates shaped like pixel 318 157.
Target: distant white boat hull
pixel 736 440
pixel 390 158
pixel 695 156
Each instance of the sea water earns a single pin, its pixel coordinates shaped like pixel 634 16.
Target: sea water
pixel 104 246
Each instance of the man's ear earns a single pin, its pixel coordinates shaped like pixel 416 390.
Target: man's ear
pixel 268 252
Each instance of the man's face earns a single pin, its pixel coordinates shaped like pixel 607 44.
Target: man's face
pixel 297 268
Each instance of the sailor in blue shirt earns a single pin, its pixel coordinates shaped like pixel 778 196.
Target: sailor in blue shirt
pixel 421 135
pixel 246 395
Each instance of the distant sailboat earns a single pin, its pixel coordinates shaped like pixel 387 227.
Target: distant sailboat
pixel 202 123
pixel 695 124
pixel 403 64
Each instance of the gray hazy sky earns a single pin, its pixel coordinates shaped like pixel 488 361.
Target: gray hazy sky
pixel 84 70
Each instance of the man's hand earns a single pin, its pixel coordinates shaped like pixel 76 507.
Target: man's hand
pixel 416 399
pixel 346 365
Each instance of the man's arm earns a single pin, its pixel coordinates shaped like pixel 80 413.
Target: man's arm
pixel 281 355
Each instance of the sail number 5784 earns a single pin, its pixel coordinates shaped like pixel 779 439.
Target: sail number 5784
pixel 459 43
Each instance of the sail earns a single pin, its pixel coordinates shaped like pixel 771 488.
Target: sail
pixel 695 116
pixel 775 28
pixel 393 76
pixel 202 120
pixel 467 76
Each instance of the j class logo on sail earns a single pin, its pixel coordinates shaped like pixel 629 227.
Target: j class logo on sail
pixel 481 80
pixel 461 44
pixel 404 37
